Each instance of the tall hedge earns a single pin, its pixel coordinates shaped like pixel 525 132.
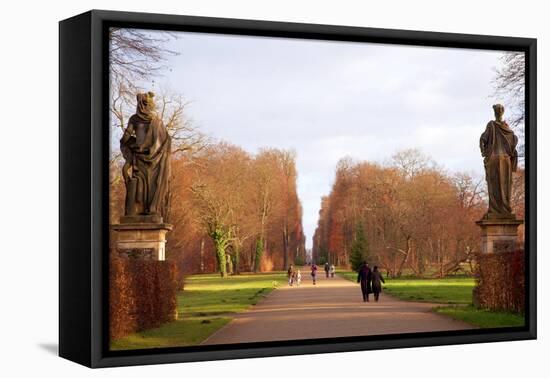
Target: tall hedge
pixel 500 281
pixel 142 295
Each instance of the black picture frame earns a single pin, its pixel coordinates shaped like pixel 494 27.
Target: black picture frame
pixel 83 195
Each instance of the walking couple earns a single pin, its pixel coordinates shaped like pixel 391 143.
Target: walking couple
pixel 370 280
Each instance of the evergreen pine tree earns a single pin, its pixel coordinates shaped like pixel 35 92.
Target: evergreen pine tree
pixel 359 248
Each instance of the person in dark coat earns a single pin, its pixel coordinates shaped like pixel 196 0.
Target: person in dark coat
pixel 313 272
pixel 326 269
pixel 364 278
pixel 377 280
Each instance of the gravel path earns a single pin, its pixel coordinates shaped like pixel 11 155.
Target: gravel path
pixel 332 308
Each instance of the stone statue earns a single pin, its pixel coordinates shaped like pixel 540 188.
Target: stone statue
pixel 146 147
pixel 500 158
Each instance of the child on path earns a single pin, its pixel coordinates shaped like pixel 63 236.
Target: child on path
pixel 298 277
pixel 332 270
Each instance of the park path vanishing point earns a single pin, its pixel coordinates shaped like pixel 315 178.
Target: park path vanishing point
pixel 332 308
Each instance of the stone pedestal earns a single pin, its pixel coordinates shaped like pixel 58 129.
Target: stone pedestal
pixel 498 234
pixel 141 237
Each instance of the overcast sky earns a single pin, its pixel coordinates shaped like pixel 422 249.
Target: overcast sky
pixel 327 100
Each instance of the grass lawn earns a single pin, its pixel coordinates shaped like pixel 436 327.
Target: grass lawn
pixel 449 290
pixel 482 318
pixel 454 291
pixel 204 306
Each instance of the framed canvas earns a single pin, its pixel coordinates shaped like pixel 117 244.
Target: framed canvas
pixel 236 188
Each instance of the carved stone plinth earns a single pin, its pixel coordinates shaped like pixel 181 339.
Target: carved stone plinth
pixel 499 234
pixel 141 240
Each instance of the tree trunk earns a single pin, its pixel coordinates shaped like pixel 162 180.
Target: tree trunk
pixel 220 256
pixel 440 258
pixel 229 264
pixel 285 248
pixel 405 258
pixel 237 260
pixel 258 255
pixel 220 244
pixel 202 255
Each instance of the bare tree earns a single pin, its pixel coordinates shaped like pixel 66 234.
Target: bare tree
pixel 218 200
pixel 137 55
pixel 263 198
pixel 412 161
pixel 288 166
pixel 509 84
pixel 215 214
pixel 186 136
pixel 470 190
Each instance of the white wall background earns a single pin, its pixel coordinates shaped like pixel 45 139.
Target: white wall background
pixel 29 186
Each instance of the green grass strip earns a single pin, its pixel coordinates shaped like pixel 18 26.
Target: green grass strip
pixel 205 305
pixel 448 290
pixel 482 318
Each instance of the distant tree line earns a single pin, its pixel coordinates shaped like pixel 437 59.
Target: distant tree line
pixel 405 216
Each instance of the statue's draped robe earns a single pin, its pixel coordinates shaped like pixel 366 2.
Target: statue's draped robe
pixel 150 168
pixel 498 147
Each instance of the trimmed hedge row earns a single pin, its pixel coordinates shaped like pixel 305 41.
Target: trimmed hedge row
pixel 142 295
pixel 500 281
